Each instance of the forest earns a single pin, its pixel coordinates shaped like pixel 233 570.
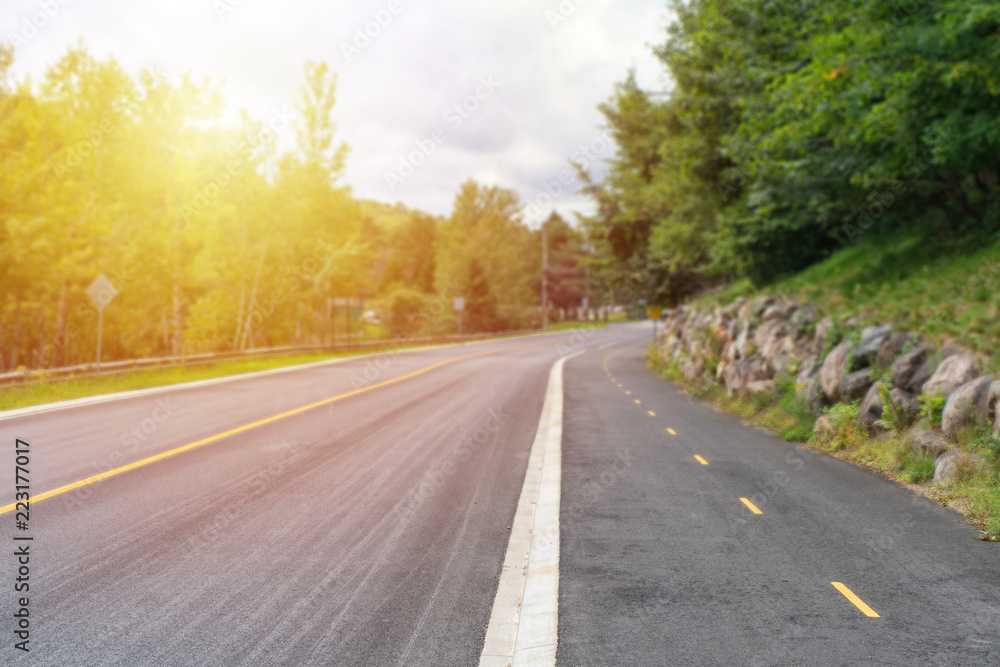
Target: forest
pixel 215 240
pixel 795 128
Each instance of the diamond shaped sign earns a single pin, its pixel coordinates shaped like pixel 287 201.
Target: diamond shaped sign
pixel 101 291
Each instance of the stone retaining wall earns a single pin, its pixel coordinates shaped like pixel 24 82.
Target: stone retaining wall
pixel 750 344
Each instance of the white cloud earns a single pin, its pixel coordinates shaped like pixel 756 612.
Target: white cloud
pixel 399 86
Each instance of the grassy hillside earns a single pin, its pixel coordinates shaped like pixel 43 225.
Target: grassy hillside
pixel 944 289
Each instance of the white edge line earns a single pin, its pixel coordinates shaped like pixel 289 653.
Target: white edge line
pixel 106 398
pixel 524 622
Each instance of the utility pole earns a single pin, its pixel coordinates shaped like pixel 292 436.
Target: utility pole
pixel 545 276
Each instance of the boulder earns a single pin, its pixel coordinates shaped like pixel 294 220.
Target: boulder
pixel 854 386
pixel 834 368
pixel 815 396
pixel 927 443
pixel 744 342
pixel 808 371
pixel 907 404
pixel 775 312
pixel 892 348
pixel 967 405
pixel 872 340
pixel 954 465
pixel 823 427
pixel 693 368
pixel 764 332
pixel 762 387
pixel 905 369
pixel 871 407
pixel 760 304
pixel 953 372
pixel 740 374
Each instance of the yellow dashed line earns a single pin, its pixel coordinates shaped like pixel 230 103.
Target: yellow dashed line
pixel 638 402
pixel 671 431
pixel 865 609
pixel 700 460
pixel 753 508
pixel 651 413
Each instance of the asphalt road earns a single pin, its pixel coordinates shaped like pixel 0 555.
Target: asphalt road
pixel 371 529
pixel 663 564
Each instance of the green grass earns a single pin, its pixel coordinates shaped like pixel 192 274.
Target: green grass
pixel 50 391
pixel 902 280
pixel 569 326
pixel 787 416
pixel 82 386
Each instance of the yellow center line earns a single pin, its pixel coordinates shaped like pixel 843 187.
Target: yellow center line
pixel 651 413
pixel 671 431
pixel 700 460
pixel 865 609
pixel 638 402
pixel 753 508
pixel 213 438
pixel 628 393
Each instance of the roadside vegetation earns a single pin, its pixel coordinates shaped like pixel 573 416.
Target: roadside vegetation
pixel 947 292
pixel 82 386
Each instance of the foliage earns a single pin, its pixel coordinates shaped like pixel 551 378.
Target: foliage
pixel 892 417
pixel 932 408
pixel 217 240
pixel 797 127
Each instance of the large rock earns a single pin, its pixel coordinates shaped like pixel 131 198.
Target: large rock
pixel 927 443
pixel 967 405
pixel 954 465
pixel 834 369
pixel 762 387
pixel 854 386
pixel 743 372
pixel 744 342
pixel 872 340
pixel 808 372
pixel 823 427
pixel 815 397
pixel 892 348
pixel 953 372
pixel 693 368
pixel 905 369
pixel 907 405
pixel 871 407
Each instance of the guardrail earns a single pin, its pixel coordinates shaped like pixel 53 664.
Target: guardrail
pixel 118 367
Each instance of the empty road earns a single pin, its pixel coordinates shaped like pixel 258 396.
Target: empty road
pixel 360 513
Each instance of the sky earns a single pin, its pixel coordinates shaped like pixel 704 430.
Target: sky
pixel 429 93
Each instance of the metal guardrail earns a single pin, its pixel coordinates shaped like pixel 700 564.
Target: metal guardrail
pixel 118 367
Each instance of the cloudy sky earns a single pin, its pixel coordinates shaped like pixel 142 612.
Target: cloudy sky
pixel 526 76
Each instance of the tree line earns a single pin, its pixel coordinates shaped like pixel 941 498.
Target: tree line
pixel 217 240
pixel 793 128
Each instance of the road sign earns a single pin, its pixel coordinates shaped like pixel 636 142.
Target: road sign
pixel 654 312
pixel 101 291
pixel 459 303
